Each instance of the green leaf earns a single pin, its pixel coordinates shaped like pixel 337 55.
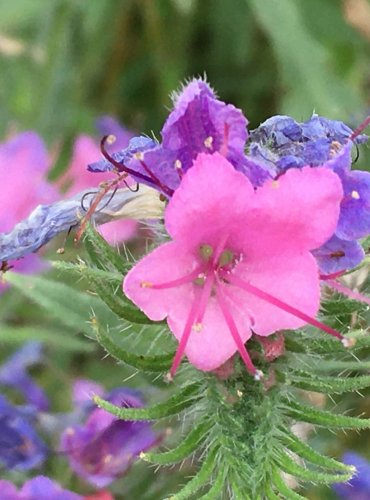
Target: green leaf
pixel 303 450
pixel 52 337
pixel 200 479
pixel 283 488
pixel 305 64
pixel 70 307
pixel 183 451
pixel 217 487
pixel 270 494
pixel 328 385
pixel 103 255
pixel 159 363
pixel 303 413
pixel 174 405
pixel 87 272
pixel 289 465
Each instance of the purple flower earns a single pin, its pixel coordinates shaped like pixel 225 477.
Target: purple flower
pixel 283 144
pixel 199 123
pixel 20 446
pixel 37 488
pixel 104 447
pixel 336 255
pixel 358 488
pixel 13 373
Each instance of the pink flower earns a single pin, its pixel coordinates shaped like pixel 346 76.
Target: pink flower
pixel 77 178
pixel 240 260
pixel 24 165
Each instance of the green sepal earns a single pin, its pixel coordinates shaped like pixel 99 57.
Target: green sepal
pixel 160 363
pixel 214 492
pixel 328 385
pixel 290 466
pixel 183 450
pixel 200 479
pixel 174 405
pixel 283 488
pixel 304 413
pixel 303 450
pixel 102 254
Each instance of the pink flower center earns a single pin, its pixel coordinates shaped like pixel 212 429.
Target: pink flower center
pixel 215 273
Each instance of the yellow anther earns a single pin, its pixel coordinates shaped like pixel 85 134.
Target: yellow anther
pixel 200 280
pixel 111 139
pixel 239 393
pixel 178 164
pixel 208 142
pixel 348 342
pixel 355 195
pixel 146 284
pixel 197 327
pixel 275 184
pixel 139 156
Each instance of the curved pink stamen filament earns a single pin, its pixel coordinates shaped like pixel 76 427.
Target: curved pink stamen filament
pixel 224 146
pixel 234 280
pixel 234 332
pixel 348 292
pixel 204 298
pixel 360 129
pixel 188 278
pixel 331 275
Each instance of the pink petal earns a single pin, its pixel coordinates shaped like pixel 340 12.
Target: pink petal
pixel 209 202
pixel 119 230
pixel 299 211
pixel 210 347
pixel 166 263
pixel 293 279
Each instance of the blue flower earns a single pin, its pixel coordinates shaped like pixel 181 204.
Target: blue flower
pixel 358 488
pixel 20 446
pixel 104 447
pixel 13 373
pixel 37 488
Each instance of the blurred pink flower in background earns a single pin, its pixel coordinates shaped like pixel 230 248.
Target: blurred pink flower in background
pixel 77 178
pixel 24 163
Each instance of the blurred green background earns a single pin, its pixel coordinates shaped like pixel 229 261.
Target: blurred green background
pixel 63 63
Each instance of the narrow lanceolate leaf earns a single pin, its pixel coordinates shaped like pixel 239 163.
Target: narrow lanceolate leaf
pixel 304 413
pixel 102 254
pixel 283 488
pixel 115 299
pixel 328 385
pixel 159 363
pixel 87 272
pixel 71 307
pixel 270 494
pixel 303 450
pixel 52 337
pixel 289 465
pixel 200 479
pixel 174 405
pixel 183 451
pixel 215 491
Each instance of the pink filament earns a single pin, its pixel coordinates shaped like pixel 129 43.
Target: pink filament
pixel 360 128
pixel 155 179
pixel 188 278
pixel 234 332
pixel 332 275
pixel 348 292
pixel 204 298
pixel 234 280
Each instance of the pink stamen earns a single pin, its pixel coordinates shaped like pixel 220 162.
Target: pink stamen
pixel 194 313
pixel 203 302
pixel 234 332
pixel 331 276
pixel 224 146
pixel 360 129
pixel 348 292
pixel 188 278
pixel 234 280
